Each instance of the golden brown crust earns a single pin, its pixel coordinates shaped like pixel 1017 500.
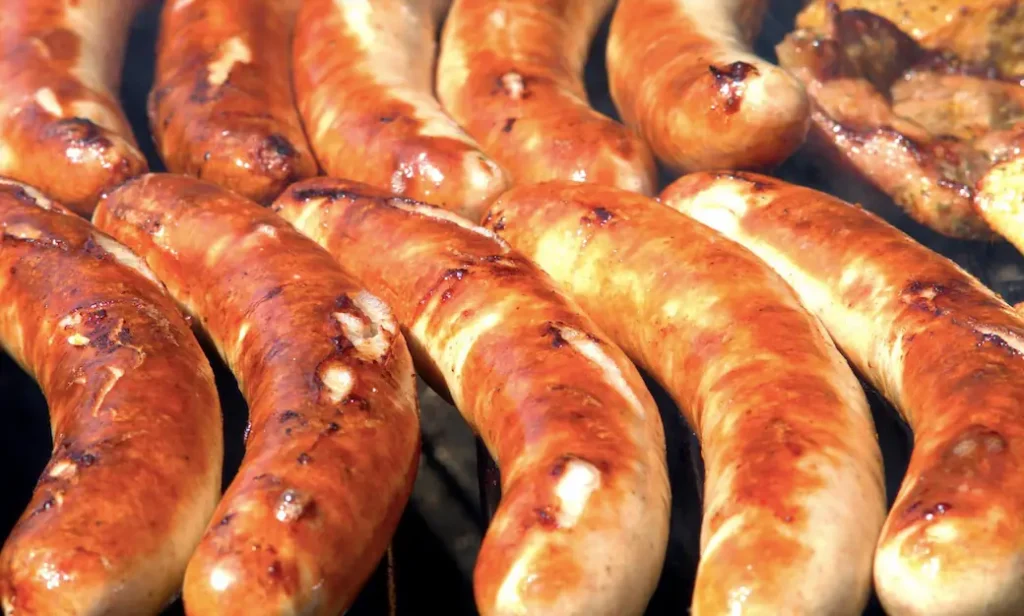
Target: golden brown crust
pixel 221 108
pixel 683 74
pixel 793 473
pixel 943 348
pixel 364 79
pixel 511 72
pixel 582 524
pixel 333 442
pixel 135 472
pixel 63 130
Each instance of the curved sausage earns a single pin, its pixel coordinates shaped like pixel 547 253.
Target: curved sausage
pixel 946 351
pixel 511 73
pixel 364 79
pixel 136 466
pixel 64 131
pixel 683 74
pixel 582 526
pixel 221 107
pixel 333 440
pixel 793 472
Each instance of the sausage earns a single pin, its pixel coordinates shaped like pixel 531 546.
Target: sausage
pixel 922 128
pixel 511 73
pixel 793 471
pixel 63 130
pixel 682 73
pixel 582 526
pixel 136 465
pixel 364 81
pixel 946 351
pixel 221 107
pixel 333 441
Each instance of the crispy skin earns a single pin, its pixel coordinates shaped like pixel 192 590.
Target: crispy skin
pixel 582 524
pixel 946 351
pixel 922 127
pixel 511 72
pixel 683 74
pixel 976 30
pixel 63 130
pixel 364 79
pixel 136 465
pixel 221 108
pixel 333 443
pixel 793 472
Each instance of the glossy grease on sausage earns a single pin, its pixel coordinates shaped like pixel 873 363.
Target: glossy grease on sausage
pixel 333 439
pixel 683 74
pixel 582 525
pixel 64 131
pixel 945 350
pixel 364 78
pixel 222 108
pixel 794 493
pixel 136 465
pixel 511 72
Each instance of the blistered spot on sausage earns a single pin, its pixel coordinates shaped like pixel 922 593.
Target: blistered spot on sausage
pixel 731 85
pixel 922 295
pixel 546 517
pixel 557 341
pixel 292 505
pixel 1001 338
pixel 276 153
pixel 304 458
pixel 512 85
pixel 335 380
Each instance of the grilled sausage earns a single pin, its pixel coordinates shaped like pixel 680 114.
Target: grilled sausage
pixel 136 465
pixel 683 74
pixel 582 524
pixel 946 351
pixel 511 72
pixel 63 130
pixel 793 472
pixel 333 443
pixel 364 80
pixel 222 107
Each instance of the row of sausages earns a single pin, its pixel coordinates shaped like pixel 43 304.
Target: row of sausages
pixel 742 304
pixel 735 316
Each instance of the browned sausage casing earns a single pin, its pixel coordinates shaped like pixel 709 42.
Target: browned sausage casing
pixel 945 350
pixel 364 79
pixel 511 72
pixel 136 465
pixel 222 107
pixel 333 443
pixel 582 525
pixel 793 473
pixel 683 74
pixel 63 129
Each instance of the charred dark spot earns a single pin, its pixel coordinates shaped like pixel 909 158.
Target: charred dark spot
pixel 457 274
pixel 999 341
pixel 546 517
pixel 446 295
pixel 275 349
pixel 226 519
pixel 387 119
pixel 274 569
pixel 730 83
pixel 288 416
pixel 500 225
pixel 333 427
pixel 124 335
pixel 275 152
pixel 272 293
pixel 603 215
pixel 557 341
pixel 509 123
pixel 82 459
pixel 304 458
pixel 202 91
pixel 357 401
pixel 341 344
pixel 331 194
pixel 79 132
pixel 345 303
